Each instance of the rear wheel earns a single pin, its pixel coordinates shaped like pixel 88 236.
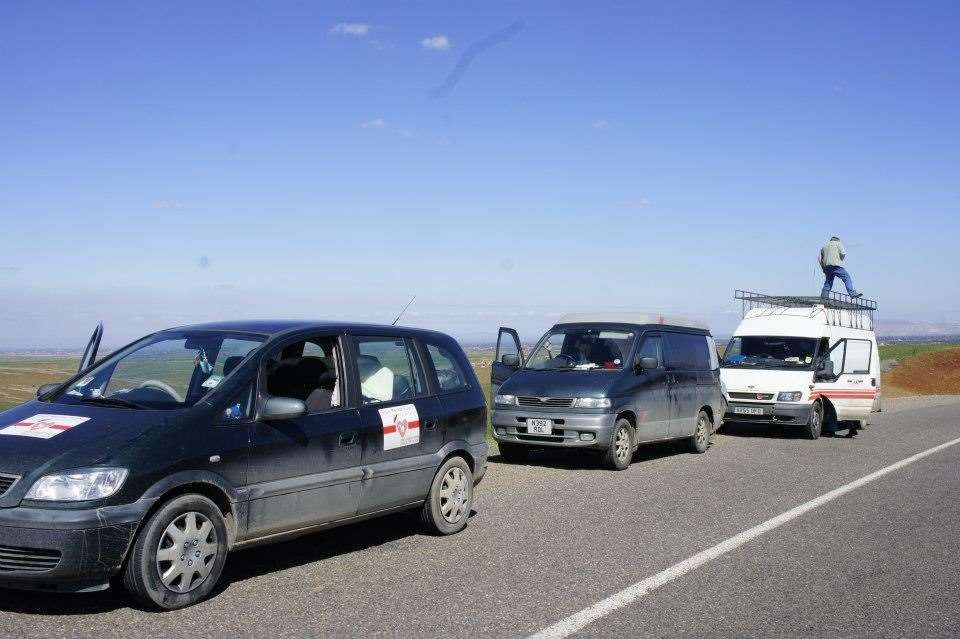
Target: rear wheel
pixel 700 440
pixel 179 554
pixel 620 450
pixel 814 425
pixel 513 452
pixel 451 498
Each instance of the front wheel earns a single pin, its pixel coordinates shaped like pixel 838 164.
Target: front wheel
pixel 620 450
pixel 814 425
pixel 451 498
pixel 700 440
pixel 179 554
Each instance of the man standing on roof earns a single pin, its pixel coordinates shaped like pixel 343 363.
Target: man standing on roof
pixel 831 261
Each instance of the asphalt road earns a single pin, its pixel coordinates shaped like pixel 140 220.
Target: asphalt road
pixel 556 535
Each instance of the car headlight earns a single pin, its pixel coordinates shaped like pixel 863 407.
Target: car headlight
pixel 790 396
pixel 505 400
pixel 592 402
pixel 78 485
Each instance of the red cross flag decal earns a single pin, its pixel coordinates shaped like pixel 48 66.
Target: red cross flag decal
pixel 401 426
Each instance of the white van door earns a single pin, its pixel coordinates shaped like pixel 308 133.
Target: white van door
pixel 845 379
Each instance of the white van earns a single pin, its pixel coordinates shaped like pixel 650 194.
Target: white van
pixel 803 361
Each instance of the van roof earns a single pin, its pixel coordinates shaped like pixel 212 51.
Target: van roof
pixel 638 319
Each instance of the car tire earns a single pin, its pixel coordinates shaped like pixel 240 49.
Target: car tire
pixel 450 501
pixel 700 440
pixel 513 453
pixel 619 451
pixel 182 580
pixel 814 427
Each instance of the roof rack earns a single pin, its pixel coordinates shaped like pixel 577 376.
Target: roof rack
pixel 840 309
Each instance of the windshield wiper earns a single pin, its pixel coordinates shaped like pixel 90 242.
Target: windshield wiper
pixel 112 401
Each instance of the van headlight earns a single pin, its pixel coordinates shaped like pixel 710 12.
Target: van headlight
pixel 790 396
pixel 505 400
pixel 78 485
pixel 592 402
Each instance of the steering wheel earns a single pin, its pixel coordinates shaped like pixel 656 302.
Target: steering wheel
pixel 156 384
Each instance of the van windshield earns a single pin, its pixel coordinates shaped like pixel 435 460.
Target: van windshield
pixel 169 370
pixel 582 348
pixel 770 352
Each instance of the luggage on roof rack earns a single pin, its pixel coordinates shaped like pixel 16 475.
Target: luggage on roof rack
pixel 839 309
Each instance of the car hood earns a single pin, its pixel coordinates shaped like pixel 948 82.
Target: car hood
pixel 752 380
pixel 563 383
pixel 76 436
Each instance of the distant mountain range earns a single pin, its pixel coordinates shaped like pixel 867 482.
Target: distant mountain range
pixel 909 328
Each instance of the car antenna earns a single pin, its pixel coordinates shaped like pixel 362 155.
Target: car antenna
pixel 403 311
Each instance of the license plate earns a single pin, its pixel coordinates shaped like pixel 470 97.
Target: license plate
pixel 747 410
pixel 540 426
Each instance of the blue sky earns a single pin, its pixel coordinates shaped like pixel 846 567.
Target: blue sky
pixel 173 162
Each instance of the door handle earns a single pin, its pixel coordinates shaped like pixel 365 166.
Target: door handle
pixel 348 439
pixel 430 424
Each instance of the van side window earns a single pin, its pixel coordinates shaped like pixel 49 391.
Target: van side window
pixel 388 370
pixel 309 371
pixel 687 352
pixel 651 347
pixel 837 354
pixel 449 374
pixel 858 357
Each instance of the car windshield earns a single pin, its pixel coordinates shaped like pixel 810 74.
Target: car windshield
pixel 582 348
pixel 770 352
pixel 166 371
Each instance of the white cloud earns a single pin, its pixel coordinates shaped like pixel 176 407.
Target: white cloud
pixel 376 123
pixel 600 124
pixel 439 42
pixel 358 29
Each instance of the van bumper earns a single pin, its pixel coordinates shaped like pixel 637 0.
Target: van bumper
pixel 64 550
pixel 570 430
pixel 777 413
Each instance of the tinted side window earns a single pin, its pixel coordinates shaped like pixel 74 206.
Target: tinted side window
pixel 651 347
pixel 449 374
pixel 687 352
pixel 388 370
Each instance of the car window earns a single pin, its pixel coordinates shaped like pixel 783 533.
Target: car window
pixel 858 357
pixel 837 355
pixel 713 353
pixel 387 370
pixel 309 371
pixel 449 374
pixel 687 352
pixel 651 347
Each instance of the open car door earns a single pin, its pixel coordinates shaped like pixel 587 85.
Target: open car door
pixel 90 354
pixel 508 358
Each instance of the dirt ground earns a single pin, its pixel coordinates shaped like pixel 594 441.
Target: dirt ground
pixel 936 373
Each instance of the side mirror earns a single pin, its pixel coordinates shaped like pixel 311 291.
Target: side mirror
pixel 47 388
pixel 279 408
pixel 513 361
pixel 647 363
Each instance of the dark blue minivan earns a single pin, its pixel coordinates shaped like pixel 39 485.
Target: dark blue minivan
pixel 153 463
pixel 608 383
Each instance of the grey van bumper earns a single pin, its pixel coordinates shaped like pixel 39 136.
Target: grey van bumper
pixel 65 550
pixel 798 414
pixel 571 430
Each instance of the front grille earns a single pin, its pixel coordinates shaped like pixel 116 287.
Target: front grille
pixel 763 397
pixel 546 402
pixel 13 559
pixel 6 483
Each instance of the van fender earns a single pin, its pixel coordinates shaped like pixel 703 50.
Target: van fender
pixel 203 482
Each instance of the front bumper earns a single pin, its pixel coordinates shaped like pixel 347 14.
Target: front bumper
pixel 509 425
pixel 773 413
pixel 66 550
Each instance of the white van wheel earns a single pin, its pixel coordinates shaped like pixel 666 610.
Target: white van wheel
pixel 815 424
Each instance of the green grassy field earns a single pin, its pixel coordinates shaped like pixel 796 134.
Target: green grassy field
pixel 904 350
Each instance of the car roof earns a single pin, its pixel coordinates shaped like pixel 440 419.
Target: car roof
pixel 274 328
pixel 635 319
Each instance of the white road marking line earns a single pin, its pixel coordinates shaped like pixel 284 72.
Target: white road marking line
pixel 580 620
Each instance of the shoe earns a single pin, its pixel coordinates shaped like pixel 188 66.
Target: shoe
pixel 851 433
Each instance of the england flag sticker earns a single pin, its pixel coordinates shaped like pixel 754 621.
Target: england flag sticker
pixel 401 426
pixel 43 426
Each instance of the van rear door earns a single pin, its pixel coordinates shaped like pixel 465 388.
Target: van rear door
pixel 508 358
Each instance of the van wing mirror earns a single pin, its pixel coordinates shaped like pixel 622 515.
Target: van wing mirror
pixel 511 360
pixel 47 388
pixel 280 408
pixel 647 363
